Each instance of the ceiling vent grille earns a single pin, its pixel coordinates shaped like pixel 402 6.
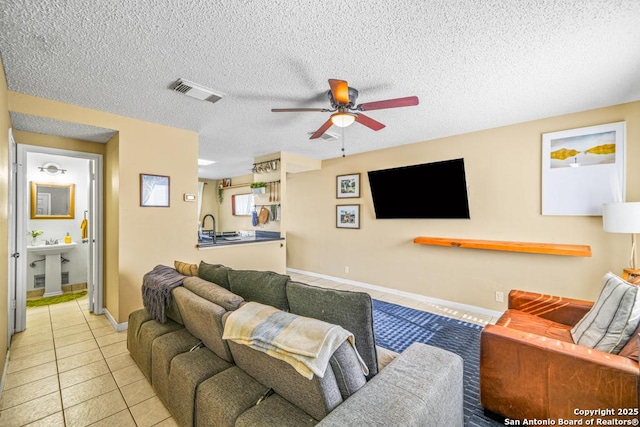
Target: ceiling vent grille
pixel 196 91
pixel 327 136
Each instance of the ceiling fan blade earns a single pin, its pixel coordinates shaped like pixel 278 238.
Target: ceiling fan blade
pixel 340 91
pixel 368 122
pixel 322 129
pixel 297 110
pixel 389 103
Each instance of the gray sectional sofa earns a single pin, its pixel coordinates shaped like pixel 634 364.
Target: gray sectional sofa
pixel 207 381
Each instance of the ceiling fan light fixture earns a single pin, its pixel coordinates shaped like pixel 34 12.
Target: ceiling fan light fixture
pixel 342 119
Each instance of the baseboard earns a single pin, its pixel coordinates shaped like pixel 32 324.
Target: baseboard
pixel 456 305
pixel 4 372
pixel 119 327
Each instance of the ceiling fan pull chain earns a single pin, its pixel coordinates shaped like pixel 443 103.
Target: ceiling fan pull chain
pixel 343 155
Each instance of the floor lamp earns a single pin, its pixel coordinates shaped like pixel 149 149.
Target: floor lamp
pixel 624 218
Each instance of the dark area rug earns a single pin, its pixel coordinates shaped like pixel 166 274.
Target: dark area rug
pixel 396 327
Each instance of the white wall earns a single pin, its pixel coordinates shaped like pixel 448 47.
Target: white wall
pixel 76 173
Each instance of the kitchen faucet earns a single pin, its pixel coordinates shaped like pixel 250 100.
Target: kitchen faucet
pixel 214 225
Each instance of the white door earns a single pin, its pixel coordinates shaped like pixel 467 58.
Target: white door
pixel 94 217
pixel 94 237
pixel 14 254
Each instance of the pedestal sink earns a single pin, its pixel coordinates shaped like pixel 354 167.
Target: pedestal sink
pixel 53 270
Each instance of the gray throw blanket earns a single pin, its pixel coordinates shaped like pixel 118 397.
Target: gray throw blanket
pixel 156 290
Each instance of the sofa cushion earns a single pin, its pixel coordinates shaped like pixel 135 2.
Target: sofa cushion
pixel 203 319
pixel 422 387
pixel 163 350
pixel 265 287
pixel 275 411
pixel 214 293
pixel 612 319
pixel 188 371
pixel 186 269
pixel 214 273
pixel 317 396
pixel 141 335
pixel 351 310
pixel 223 397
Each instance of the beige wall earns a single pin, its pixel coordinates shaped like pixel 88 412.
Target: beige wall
pixel 226 221
pixel 136 238
pixel 503 168
pixel 209 200
pixel 4 210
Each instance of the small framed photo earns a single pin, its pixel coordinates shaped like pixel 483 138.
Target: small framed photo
pixel 154 191
pixel 348 186
pixel 226 182
pixel 348 216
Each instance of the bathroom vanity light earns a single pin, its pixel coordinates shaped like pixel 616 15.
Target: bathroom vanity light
pixel 51 169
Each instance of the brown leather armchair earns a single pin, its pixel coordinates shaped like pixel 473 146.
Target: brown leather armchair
pixel 530 367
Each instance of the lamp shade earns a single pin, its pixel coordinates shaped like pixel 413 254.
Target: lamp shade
pixel 343 119
pixel 621 217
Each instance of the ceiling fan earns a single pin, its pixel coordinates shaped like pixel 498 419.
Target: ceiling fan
pixel 344 108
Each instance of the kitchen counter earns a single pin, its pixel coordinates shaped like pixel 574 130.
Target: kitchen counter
pixel 227 239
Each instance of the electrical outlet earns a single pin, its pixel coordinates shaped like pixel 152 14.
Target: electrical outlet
pixel 346 269
pixel 499 296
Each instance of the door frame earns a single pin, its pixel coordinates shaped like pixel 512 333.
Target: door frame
pixel 95 238
pixel 14 252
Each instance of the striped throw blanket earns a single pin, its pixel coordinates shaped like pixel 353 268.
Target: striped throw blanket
pixel 304 343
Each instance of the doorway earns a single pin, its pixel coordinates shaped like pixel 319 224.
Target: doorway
pixel 84 262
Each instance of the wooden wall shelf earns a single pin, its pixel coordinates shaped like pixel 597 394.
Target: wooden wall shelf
pixel 494 245
pixel 229 187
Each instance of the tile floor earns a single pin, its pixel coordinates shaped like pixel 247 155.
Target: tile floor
pixel 70 368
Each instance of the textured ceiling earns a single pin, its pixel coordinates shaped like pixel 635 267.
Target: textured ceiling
pixel 473 64
pixel 47 126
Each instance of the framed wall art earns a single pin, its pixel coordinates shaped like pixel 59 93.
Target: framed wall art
pixel 582 169
pixel 348 216
pixel 154 191
pixel 348 186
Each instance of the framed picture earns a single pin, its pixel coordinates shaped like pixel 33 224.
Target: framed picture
pixel 154 191
pixel 348 186
pixel 582 169
pixel 348 216
pixel 226 182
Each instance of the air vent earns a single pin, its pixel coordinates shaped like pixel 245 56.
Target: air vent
pixel 39 279
pixel 327 136
pixel 196 91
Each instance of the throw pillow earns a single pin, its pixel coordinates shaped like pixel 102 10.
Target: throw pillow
pixel 214 273
pixel 265 287
pixel 186 269
pixel 612 319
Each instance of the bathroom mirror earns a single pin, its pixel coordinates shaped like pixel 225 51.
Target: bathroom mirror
pixel 52 201
pixel 241 204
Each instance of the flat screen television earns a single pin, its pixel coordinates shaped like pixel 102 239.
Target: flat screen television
pixel 430 190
